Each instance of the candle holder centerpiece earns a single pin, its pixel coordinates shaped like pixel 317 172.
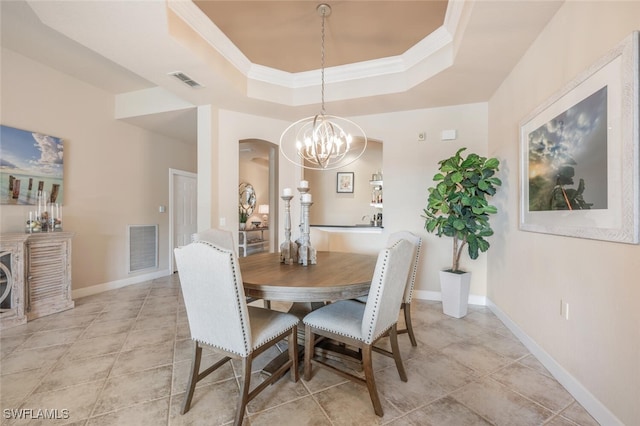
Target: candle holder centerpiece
pixel 288 249
pixel 306 253
pixel 47 217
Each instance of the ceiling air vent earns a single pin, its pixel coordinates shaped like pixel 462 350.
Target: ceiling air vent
pixel 185 79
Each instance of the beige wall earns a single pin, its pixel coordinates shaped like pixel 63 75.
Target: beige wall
pixel 115 174
pixel 529 273
pixel 332 208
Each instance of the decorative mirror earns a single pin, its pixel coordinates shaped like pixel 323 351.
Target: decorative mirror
pixel 247 198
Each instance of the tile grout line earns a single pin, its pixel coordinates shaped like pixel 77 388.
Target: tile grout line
pixel 106 379
pixel 53 366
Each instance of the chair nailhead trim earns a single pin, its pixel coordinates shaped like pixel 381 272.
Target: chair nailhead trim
pixel 414 272
pixel 376 300
pixel 247 345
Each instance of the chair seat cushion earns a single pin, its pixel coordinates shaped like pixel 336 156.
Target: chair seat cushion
pixel 343 317
pixel 267 324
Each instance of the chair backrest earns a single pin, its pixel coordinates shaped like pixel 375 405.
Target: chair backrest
pixel 214 296
pixel 218 237
pixel 417 246
pixel 387 290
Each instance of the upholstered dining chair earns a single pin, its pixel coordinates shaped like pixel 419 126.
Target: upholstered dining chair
pixel 411 281
pixel 224 239
pixel 361 325
pixel 219 317
pixel 219 237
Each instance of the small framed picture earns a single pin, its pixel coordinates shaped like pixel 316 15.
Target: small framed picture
pixel 344 182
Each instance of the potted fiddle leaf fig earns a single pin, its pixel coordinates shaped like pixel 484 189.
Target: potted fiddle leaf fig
pixel 457 207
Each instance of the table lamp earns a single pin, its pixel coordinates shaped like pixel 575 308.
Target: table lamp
pixel 263 209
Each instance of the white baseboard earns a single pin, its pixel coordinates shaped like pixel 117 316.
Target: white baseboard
pixel 435 295
pixel 99 288
pixel 596 409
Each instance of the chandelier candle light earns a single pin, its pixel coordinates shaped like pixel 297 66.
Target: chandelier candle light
pixel 323 142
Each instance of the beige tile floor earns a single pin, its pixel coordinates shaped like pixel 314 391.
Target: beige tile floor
pixel 122 358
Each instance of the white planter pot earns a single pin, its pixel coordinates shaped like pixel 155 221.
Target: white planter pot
pixel 455 293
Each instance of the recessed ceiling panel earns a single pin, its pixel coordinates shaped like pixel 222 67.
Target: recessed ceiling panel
pixel 286 35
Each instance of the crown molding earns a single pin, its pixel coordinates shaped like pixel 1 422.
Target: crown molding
pixel 417 64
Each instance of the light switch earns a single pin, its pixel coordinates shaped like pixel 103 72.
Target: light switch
pixel 449 135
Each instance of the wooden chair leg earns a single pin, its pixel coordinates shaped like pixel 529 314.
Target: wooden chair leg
pixel 308 351
pixel 193 377
pixel 292 342
pixel 245 381
pixel 395 349
pixel 407 321
pixel 367 361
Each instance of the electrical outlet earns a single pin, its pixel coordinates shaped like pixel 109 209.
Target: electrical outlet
pixel 223 222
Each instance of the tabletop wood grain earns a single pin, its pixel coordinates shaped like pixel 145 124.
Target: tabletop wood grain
pixel 336 276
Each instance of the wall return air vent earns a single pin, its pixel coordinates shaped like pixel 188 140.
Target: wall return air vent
pixel 185 79
pixel 142 247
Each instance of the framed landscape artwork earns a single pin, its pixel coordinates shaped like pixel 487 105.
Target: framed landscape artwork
pixel 344 182
pixel 29 162
pixel 579 154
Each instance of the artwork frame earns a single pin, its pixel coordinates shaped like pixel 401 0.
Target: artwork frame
pixel 561 130
pixel 344 182
pixel 30 162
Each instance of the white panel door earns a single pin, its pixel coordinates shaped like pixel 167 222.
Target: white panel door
pixel 184 203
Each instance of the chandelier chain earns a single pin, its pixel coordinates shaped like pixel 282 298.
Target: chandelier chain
pixel 322 62
pixel 322 142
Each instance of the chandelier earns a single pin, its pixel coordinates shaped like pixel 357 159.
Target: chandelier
pixel 323 142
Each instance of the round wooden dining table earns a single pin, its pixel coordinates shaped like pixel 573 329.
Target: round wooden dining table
pixel 336 276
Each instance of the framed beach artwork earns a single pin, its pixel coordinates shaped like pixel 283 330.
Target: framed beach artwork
pixel 30 162
pixel 579 154
pixel 344 182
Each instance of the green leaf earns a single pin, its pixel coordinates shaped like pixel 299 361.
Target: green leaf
pixel 459 225
pixel 456 177
pixel 492 163
pixel 490 209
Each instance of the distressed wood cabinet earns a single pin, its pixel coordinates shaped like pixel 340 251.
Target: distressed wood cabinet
pixel 37 268
pixel 12 305
pixel 48 286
